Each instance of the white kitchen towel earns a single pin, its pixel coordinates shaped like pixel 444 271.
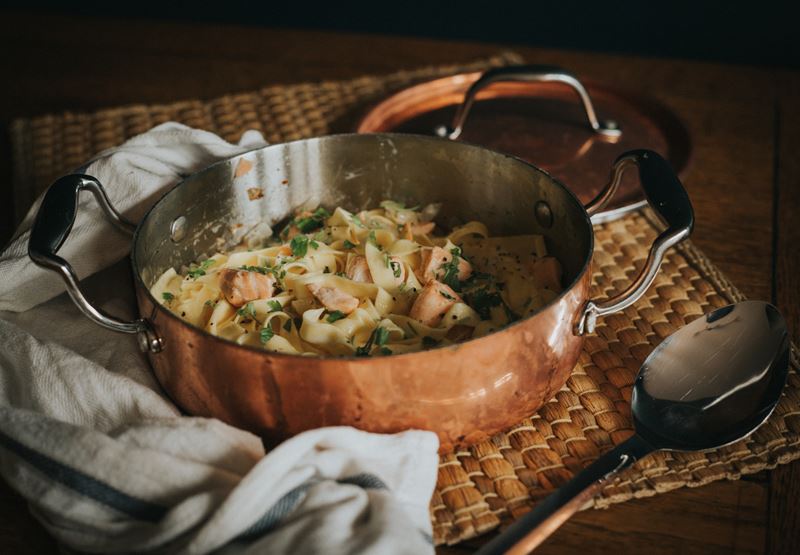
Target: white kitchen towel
pixel 109 465
pixel 134 175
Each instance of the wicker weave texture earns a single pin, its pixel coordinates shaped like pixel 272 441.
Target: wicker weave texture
pixel 497 480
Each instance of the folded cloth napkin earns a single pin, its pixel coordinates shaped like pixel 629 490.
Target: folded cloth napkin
pixel 109 465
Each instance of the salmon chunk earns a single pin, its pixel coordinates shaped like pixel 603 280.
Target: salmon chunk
pixel 433 301
pixel 357 269
pixel 431 261
pixel 546 272
pixel 333 299
pixel 423 228
pixel 243 286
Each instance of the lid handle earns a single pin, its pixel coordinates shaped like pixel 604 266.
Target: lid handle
pixel 528 74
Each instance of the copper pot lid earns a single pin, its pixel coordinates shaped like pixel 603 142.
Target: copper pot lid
pixel 574 130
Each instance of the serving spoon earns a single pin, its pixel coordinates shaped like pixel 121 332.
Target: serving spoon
pixel 711 383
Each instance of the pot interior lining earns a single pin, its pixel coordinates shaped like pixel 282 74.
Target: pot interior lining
pixel 217 208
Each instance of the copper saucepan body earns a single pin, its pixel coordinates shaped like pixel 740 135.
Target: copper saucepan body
pixel 463 392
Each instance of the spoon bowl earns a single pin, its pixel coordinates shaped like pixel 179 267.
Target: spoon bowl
pixel 711 383
pixel 714 381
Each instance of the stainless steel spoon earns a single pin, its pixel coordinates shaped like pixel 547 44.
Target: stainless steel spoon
pixel 709 384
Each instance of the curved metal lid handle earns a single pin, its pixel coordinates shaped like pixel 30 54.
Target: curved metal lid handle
pixel 528 74
pixel 667 197
pixel 51 228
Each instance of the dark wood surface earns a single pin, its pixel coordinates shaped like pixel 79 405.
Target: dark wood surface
pixel 744 183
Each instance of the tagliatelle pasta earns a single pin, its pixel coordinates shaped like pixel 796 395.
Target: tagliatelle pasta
pixel 378 282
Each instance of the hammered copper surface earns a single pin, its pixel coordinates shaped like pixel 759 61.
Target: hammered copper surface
pixel 543 123
pixel 464 392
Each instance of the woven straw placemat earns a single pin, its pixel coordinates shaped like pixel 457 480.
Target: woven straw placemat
pixel 492 482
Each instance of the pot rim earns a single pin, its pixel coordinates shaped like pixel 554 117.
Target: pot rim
pixel 139 282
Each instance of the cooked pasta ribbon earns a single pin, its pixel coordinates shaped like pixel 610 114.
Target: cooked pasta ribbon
pixel 377 282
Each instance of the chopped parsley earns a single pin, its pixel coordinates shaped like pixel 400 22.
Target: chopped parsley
pixel 335 315
pixel 275 306
pixel 276 271
pixel 247 310
pixel 482 301
pixel 385 351
pixel 312 222
pixel 299 246
pixel 266 333
pixel 314 244
pixel 429 341
pixel 379 336
pixel 167 296
pixel 372 239
pixel 201 269
pixel 451 270
pixel 396 269
pixel 259 269
pixel 348 244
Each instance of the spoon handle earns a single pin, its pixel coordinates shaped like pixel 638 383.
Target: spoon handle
pixel 533 528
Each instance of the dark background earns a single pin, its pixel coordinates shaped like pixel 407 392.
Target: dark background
pixel 755 33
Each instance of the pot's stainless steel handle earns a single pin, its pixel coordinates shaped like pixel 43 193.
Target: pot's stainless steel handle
pixel 667 197
pixel 529 74
pixel 51 228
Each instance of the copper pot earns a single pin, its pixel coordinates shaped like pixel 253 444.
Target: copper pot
pixel 463 392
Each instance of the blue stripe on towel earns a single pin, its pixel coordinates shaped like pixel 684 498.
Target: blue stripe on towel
pixel 293 497
pixel 277 512
pixel 84 484
pixel 364 480
pixel 151 512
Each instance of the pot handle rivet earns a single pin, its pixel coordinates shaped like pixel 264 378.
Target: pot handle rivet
pixel 177 229
pixel 544 214
pixel 52 226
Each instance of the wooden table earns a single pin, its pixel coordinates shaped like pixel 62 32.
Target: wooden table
pixel 745 186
